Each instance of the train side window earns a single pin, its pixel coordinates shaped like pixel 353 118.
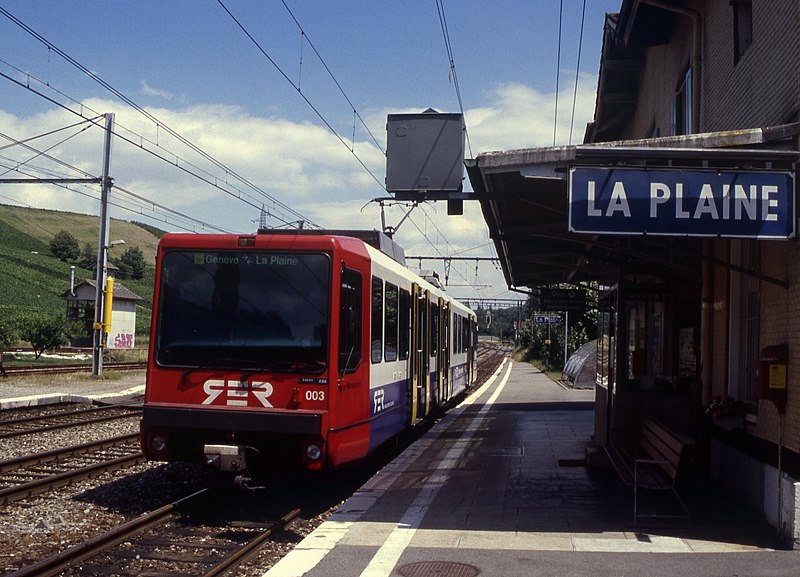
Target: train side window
pixel 377 320
pixel 391 323
pixel 404 323
pixel 349 321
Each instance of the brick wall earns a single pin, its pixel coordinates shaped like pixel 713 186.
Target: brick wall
pixel 664 68
pixel 762 89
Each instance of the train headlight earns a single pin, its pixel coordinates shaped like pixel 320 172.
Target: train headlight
pixel 158 443
pixel 314 452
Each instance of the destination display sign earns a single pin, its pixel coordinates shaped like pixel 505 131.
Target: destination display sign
pixel 560 299
pixel 680 202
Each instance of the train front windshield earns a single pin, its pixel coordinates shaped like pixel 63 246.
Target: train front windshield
pixel 244 310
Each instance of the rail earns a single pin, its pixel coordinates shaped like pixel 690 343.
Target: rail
pixel 214 565
pixel 44 423
pixel 71 368
pixel 62 474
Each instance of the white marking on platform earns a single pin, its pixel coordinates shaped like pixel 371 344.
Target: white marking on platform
pixel 309 552
pixel 384 561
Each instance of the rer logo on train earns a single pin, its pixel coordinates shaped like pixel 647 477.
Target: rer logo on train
pixel 236 393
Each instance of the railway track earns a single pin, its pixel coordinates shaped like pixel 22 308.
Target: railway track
pixel 181 543
pixel 30 475
pixel 164 541
pixel 75 368
pixel 60 420
pixel 488 357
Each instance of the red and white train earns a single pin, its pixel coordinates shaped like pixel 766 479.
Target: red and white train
pixel 301 349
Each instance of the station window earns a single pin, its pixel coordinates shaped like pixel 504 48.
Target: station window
pixel 742 27
pixel 376 353
pixel 391 323
pixel 682 106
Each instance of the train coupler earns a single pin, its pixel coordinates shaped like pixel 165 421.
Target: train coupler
pixel 226 458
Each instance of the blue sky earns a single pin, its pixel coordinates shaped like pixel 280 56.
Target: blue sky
pixel 189 65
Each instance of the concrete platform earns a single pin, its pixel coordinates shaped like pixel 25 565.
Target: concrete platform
pixel 31 391
pixel 500 487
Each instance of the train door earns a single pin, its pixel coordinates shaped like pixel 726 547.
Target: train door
pixel 443 382
pixel 472 343
pixel 419 364
pixel 433 353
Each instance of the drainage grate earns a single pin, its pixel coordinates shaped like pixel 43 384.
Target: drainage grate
pixel 438 569
pixel 572 462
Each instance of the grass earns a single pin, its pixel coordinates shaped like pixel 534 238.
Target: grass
pixel 34 281
pixel 521 356
pixel 555 375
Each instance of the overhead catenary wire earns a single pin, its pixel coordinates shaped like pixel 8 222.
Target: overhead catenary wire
pixel 209 179
pixel 173 160
pixel 577 71
pixel 190 226
pixel 451 61
pixel 42 153
pixel 311 105
pixel 439 252
pixel 35 173
pixel 558 67
pixel 305 37
pixel 39 174
pixel 228 171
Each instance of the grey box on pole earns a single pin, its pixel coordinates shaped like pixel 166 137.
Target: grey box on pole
pixel 425 152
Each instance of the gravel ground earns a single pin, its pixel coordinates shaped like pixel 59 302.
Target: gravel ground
pixel 40 526
pixel 44 525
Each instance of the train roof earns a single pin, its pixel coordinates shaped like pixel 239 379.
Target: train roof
pixel 375 238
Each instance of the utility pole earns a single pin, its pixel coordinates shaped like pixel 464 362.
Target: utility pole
pixel 102 255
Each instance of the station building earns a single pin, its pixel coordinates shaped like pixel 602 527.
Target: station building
pixel 680 207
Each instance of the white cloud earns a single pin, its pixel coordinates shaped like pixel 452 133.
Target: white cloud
pixel 301 164
pixel 519 116
pixel 148 90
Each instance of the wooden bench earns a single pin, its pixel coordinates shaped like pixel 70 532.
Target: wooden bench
pixel 653 464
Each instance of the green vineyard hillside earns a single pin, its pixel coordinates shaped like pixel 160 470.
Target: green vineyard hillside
pixel 33 280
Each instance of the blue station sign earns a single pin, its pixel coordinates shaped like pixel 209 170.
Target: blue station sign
pixel 681 202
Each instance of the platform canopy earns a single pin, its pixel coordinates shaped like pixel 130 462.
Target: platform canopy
pixel 524 196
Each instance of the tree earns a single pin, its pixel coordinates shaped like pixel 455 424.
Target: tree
pixel 8 334
pixel 65 247
pixel 131 263
pixel 88 257
pixel 43 332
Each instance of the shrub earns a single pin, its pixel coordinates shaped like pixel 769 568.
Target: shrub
pixel 65 247
pixel 44 333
